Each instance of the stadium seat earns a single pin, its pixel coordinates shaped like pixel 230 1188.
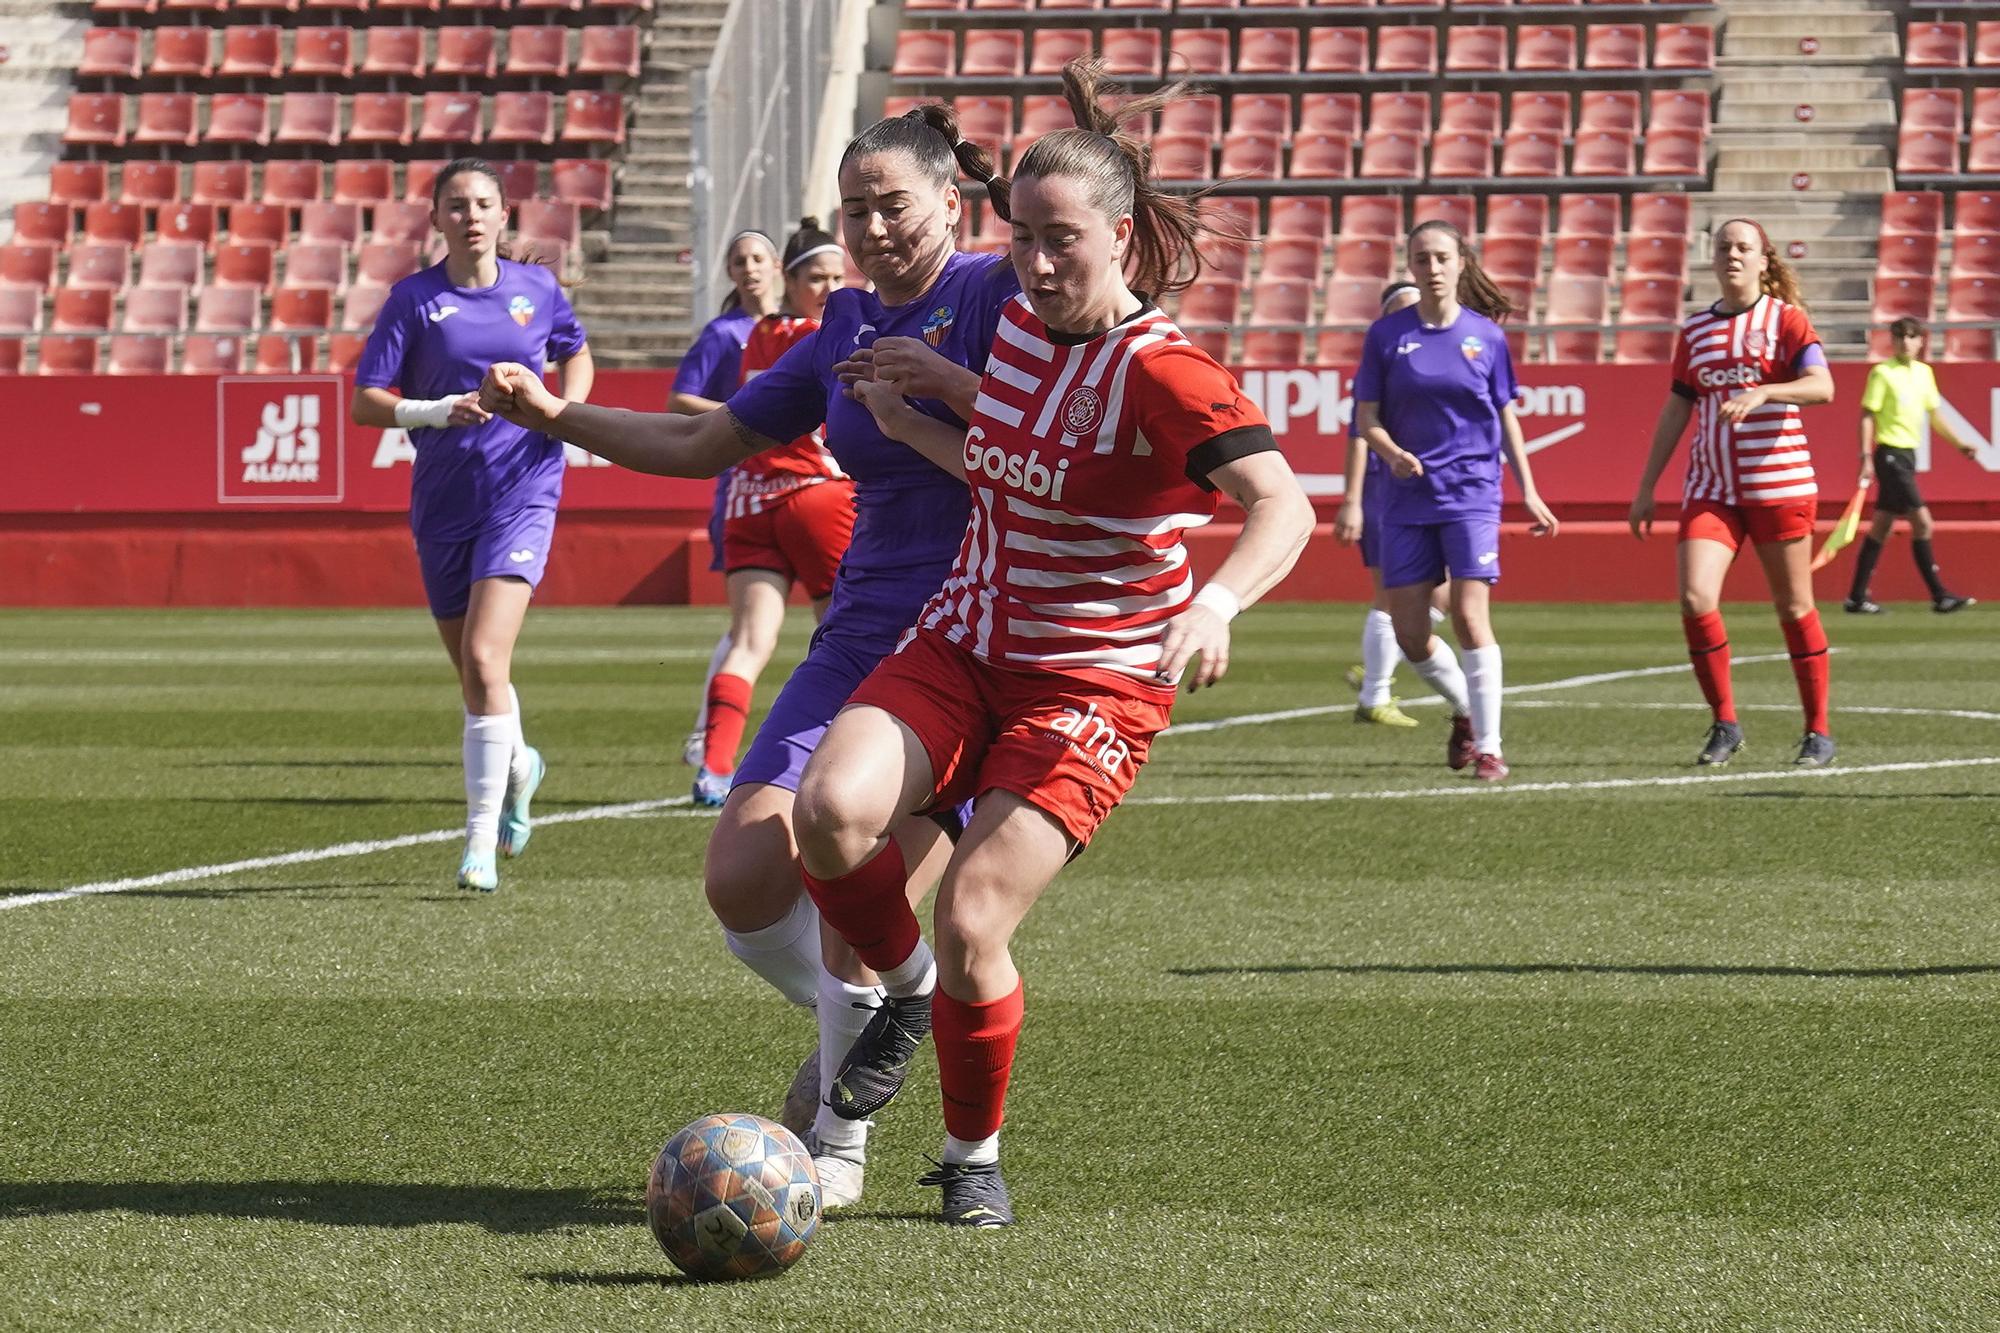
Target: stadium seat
pixel 279 355
pixel 78 183
pixel 1660 215
pixel 1199 114
pixel 1646 301
pixel 95 118
pixel 312 118
pixel 1230 218
pixel 243 118
pixel 593 117
pixel 1181 155
pixel 523 118
pixel 194 6
pixel 1406 51
pixel 1675 153
pixel 1582 257
pixel 367 182
pixel 520 178
pixel 186 221
pixel 1322 157
pixel 549 6
pixel 40 223
pixel 1352 304
pixel 537 52
pixel 925 53
pixel 363 303
pixel 1391 155
pixel 1469 113
pixel 1545 49
pixel 1336 50
pixel 605 50
pixel 1968 298
pixel 1299 257
pixel 1518 258
pixel 1525 215
pixel 1986 44
pixel 81 309
pixel 1370 257
pixel 1133 52
pixel 1982 158
pixel 66 354
pixel 28 266
pixel 1678 109
pixel 1208 309
pixel 13 355
pixel 1224 259
pixel 1054 48
pixel 155 310
pixel 1277 301
pixel 1041 113
pixel 221 183
pixel 1906 255
pixel 1934 46
pixel 1602 153
pixel 1976 211
pixel 1913 212
pixel 171 264
pixel 293 182
pixel 1663 257
pixel 140 354
pixel 1986 108
pixel 1614 46
pixel 1898 298
pixel 394 53
pixel 1248 155
pixel 211 354
pixel 259 223
pixel 251 264
pixel 450 118
pixel 1197 51
pixel 404 220
pixel 353 6
pixel 227 309
pixel 1587 215
pixel 115 221
pixel 325 222
pixel 1922 152
pixel 1462 157
pixel 1460 210
pixel 182 53
pixel 466 53
pixel 1577 301
pixel 1301 215
pixel 1684 46
pixel 1940 109
pixel 380 118
pixel 323 53
pixel 993 53
pixel 1267 51
pixel 251 51
pixel 987 120
pixel 1531 153
pixel 1402 112
pixel 549 220
pixel 1475 50
pixel 1615 109
pixel 109 53
pixel 1548 112
pixel 1265 113
pixel 1975 255
pixel 105 265
pixel 386 263
pixel 1330 113
pixel 20 310
pixel 309 264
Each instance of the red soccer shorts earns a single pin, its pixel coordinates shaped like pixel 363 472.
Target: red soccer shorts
pixel 1711 520
pixel 802 536
pixel 1063 744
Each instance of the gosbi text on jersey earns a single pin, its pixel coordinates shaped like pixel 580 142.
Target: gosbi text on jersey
pixel 1088 463
pixel 1761 459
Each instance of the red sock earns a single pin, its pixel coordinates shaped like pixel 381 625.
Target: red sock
pixel 975 1050
pixel 728 712
pixel 1708 647
pixel 867 908
pixel 1807 642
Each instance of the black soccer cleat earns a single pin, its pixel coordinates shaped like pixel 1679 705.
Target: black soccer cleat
pixel 1724 740
pixel 974 1196
pixel 879 1061
pixel 1815 751
pixel 1861 606
pixel 1949 603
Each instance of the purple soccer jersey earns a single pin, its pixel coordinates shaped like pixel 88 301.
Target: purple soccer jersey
pixel 712 369
pixel 1440 392
pixel 435 340
pixel 909 515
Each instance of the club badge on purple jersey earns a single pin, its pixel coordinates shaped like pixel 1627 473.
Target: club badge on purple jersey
pixel 938 325
pixel 522 309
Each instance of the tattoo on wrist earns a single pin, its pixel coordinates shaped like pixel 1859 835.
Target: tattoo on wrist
pixel 744 435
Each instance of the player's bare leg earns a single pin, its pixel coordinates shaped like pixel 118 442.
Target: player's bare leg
pixel 481 646
pixel 1410 608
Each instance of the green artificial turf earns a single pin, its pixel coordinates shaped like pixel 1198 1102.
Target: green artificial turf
pixel 1720 1055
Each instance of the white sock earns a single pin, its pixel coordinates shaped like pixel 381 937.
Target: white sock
pixel 915 975
pixel 1438 617
pixel 722 647
pixel 1482 675
pixel 844 1009
pixel 1378 657
pixel 972 1152
pixel 489 738
pixel 784 953
pixel 1440 672
pixel 517 759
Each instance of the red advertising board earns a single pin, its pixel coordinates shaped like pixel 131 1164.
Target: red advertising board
pixel 283 444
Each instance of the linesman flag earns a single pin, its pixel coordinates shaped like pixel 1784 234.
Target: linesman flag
pixel 1844 530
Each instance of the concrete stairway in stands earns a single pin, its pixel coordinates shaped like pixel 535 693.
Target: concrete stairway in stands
pixel 42 42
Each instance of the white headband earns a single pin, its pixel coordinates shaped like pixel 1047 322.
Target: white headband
pixel 814 253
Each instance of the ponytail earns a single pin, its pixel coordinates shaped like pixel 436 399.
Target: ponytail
pixel 1477 291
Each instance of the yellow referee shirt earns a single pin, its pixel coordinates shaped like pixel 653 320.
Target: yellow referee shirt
pixel 1901 395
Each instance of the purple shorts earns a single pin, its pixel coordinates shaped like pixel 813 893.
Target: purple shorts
pixel 1374 494
pixel 515 547
pixel 840 658
pixel 1465 547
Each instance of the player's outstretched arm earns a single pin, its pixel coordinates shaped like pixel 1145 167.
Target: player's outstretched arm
pixel 1674 414
pixel 941 443
pixel 1544 519
pixel 662 443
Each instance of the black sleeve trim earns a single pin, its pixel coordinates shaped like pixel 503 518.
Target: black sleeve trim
pixel 1685 392
pixel 1227 448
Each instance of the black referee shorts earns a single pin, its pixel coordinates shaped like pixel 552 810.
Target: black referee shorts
pixel 1896 476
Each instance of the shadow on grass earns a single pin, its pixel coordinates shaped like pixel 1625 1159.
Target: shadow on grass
pixel 1592 969
pixel 503 1209
pixel 670 1278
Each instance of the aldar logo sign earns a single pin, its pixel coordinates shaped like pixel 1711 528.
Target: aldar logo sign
pixel 279 440
pixel 1310 410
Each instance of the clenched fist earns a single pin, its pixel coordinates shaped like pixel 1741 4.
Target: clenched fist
pixel 517 393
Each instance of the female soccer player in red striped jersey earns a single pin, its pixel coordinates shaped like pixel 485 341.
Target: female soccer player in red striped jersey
pixel 1037 677
pixel 788 515
pixel 1742 369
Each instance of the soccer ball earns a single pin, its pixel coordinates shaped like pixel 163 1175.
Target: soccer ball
pixel 733 1196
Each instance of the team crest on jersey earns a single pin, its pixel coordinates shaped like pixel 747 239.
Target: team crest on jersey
pixel 1471 347
pixel 522 309
pixel 1082 410
pixel 1755 343
pixel 938 325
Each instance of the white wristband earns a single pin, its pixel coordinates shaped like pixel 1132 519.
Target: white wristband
pixel 1219 600
pixel 432 412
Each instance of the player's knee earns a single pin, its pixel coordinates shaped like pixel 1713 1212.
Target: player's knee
pixel 836 829
pixel 1697 602
pixel 1921 525
pixel 748 894
pixel 971 929
pixel 1795 607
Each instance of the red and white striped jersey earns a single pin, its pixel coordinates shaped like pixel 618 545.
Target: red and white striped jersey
pixel 1088 462
pixel 763 480
pixel 1761 459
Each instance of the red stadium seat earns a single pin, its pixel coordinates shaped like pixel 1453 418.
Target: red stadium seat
pixel 1208 310
pixel 386 263
pixel 1582 257
pixel 211 354
pixel 1975 255
pixel 28 266
pixel 291 182
pixel 1181 156
pixel 109 53
pixel 182 53
pixel 519 179
pixel 194 6
pixel 327 223
pixel 1200 114
pixel 1906 255
pixel 1983 157
pixel 312 118
pixel 1370 257
pixel 221 183
pixel 1352 304
pixel 324 53
pixel 1976 211
pixel 1391 155
pixel 1968 298
pixel 993 53
pixel 466 53
pixel 186 222
pixel 1647 301
pixel 523 118
pixel 278 355
pixel 925 53
pixel 1986 44
pixel 394 52
pixel 118 222
pixel 1337 50
pixel 239 118
pixel 1296 257
pixel 358 311
pixel 227 309
pixel 1223 257
pixel 554 6
pixel 1926 153
pixel 95 118
pixel 1403 112
pixel 593 117
pixel 20 310
pixel 1267 51
pixel 155 310
pixel 81 309
pixel 1265 113
pixel 60 354
pixel 1277 301
pixel 1684 46
pixel 1330 113
pixel 549 220
pixel 13 355
pixel 609 50
pixel 78 183
pixel 1322 157
pixel 41 223
pixel 251 52
pixel 1940 109
pixel 1515 258
pixel 1460 210
pixel 1406 51
pixel 1525 215
pixel 1056 47
pixel 1231 219
pixel 1678 109
pixel 354 6
pixel 1587 215
pixel 1133 52
pixel 1614 46
pixel 380 118
pixel 1197 51
pixel 1531 153
pixel 1661 215
pixel 1577 301
pixel 257 223
pixel 1602 153
pixel 1469 113
pixel 1301 215
pixel 311 264
pixel 1545 49
pixel 541 52
pixel 985 120
pixel 123 6
pixel 1664 257
pixel 406 220
pixel 1475 50
pixel 363 182
pixel 171 264
pixel 1548 112
pixel 1913 212
pixel 245 263
pixel 1462 157
pixel 140 354
pixel 1608 109
pixel 1986 108
pixel 1934 46
pixel 450 118
pixel 1675 153
pixel 1900 298
pixel 105 265
pixel 1248 155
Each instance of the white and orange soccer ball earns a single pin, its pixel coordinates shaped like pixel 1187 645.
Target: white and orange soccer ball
pixel 733 1196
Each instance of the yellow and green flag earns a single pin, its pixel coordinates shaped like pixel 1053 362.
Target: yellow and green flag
pixel 1844 530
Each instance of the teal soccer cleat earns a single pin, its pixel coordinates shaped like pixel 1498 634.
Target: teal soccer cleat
pixel 516 825
pixel 477 873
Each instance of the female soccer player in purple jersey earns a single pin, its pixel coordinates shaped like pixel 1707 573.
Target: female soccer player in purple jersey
pixel 705 378
pixel 1434 397
pixel 925 329
pixel 483 492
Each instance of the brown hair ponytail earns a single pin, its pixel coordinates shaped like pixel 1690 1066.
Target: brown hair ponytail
pixel 1477 291
pixel 929 135
pixel 1778 278
pixel 1118 168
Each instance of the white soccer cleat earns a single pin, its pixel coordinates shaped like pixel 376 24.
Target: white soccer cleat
pixel 516 823
pixel 694 747
pixel 711 789
pixel 802 1098
pixel 840 1178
